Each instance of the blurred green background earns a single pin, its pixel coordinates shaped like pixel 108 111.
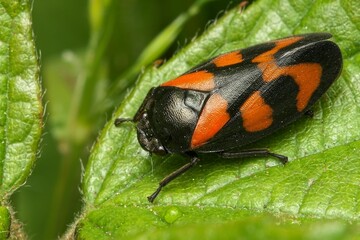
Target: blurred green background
pixel 72 37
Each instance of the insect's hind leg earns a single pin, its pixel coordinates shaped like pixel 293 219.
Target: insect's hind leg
pixel 256 152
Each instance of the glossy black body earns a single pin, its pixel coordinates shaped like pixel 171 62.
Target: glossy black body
pixel 169 115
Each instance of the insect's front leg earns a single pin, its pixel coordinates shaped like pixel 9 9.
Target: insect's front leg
pixel 193 161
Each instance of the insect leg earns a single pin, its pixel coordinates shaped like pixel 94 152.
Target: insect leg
pixel 256 152
pixel 172 176
pixel 119 121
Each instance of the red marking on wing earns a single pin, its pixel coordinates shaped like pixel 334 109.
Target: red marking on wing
pixel 280 44
pixel 212 118
pixel 228 59
pixel 306 75
pixel 202 81
pixel 256 114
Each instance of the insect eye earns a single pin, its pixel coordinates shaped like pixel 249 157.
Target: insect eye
pixel 149 134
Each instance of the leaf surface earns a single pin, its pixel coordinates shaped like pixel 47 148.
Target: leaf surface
pixel 322 180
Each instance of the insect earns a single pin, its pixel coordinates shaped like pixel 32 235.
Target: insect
pixel 235 99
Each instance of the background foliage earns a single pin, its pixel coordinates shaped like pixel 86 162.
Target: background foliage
pixel 93 51
pixel 80 40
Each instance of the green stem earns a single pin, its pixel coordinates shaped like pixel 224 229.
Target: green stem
pixel 155 49
pixel 77 129
pixel 64 198
pixel 83 100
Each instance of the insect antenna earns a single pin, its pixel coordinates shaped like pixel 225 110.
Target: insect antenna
pixel 119 121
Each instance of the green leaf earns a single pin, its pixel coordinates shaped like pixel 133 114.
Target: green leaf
pixel 21 111
pixel 4 222
pixel 244 227
pixel 20 100
pixel 320 182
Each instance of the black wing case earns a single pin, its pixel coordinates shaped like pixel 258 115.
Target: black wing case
pixel 271 86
